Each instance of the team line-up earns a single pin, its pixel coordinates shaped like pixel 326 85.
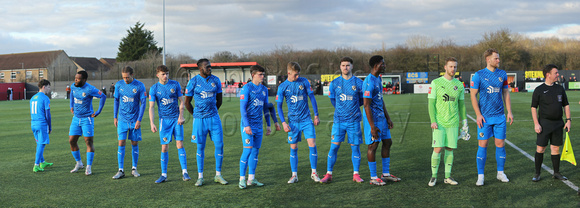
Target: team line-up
pixel 347 94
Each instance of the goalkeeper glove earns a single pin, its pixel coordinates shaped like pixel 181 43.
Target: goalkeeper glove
pixel 464 133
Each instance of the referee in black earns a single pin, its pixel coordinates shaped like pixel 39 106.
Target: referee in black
pixel 550 98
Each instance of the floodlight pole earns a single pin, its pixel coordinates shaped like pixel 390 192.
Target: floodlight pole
pixel 163 32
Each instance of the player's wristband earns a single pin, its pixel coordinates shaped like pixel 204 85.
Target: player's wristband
pixel 569 119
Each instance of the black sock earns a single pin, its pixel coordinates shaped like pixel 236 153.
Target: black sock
pixel 539 161
pixel 556 163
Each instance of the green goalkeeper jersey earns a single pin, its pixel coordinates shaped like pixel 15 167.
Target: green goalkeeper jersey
pixel 447 95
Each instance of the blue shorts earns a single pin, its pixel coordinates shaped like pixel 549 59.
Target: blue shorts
pixel 82 126
pixel 203 126
pixel 169 128
pixel 384 132
pixel 493 127
pixel 306 127
pixel 40 134
pixel 340 130
pixel 127 131
pixel 254 140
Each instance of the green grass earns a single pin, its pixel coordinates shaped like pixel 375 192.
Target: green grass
pixel 410 154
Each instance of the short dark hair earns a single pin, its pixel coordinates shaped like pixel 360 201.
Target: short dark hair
pixel 256 68
pixel 548 68
pixel 201 61
pixel 375 60
pixel 489 52
pixel 83 74
pixel 43 83
pixel 162 68
pixel 345 59
pixel 293 66
pixel 448 59
pixel 127 69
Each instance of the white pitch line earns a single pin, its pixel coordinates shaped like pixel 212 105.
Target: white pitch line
pixel 567 182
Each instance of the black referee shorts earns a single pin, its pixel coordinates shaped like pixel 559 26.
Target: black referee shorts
pixel 551 132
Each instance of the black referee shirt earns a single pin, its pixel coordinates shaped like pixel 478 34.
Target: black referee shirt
pixel 551 100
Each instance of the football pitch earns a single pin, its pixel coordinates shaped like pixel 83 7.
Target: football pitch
pixel 410 160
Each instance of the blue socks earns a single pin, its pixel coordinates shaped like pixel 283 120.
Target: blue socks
pixel 313 157
pixel 244 161
pixel 332 156
pixel 355 157
pixel 253 160
pixel 500 157
pixel 219 155
pixel 373 169
pixel 200 157
pixel 164 160
pixel 76 155
pixel 90 156
pixel 294 159
pixel 135 149
pixel 182 158
pixel 39 153
pixel 481 157
pixel 121 156
pixel 386 165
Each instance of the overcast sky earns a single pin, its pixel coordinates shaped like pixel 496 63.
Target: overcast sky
pixel 201 28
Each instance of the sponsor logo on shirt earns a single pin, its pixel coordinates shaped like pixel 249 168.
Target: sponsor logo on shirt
pixel 77 101
pixel 367 93
pixel 166 101
pixel 128 99
pixel 429 90
pixel 344 97
pixel 241 97
pixel 205 94
pixel 448 98
pixel 258 102
pixel 492 89
pixel 295 98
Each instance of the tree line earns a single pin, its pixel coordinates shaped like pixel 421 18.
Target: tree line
pixel 418 54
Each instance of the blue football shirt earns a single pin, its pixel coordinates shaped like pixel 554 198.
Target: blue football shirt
pixel 204 92
pixel 347 94
pixel 39 104
pixel 83 99
pixel 296 95
pixel 167 98
pixel 490 85
pixel 129 96
pixel 256 98
pixel 372 88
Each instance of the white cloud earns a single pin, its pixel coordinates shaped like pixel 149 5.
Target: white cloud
pixel 562 32
pixel 201 28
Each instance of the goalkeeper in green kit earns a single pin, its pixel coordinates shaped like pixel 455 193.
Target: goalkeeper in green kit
pixel 446 105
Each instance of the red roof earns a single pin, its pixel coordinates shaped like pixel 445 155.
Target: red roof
pixel 225 65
